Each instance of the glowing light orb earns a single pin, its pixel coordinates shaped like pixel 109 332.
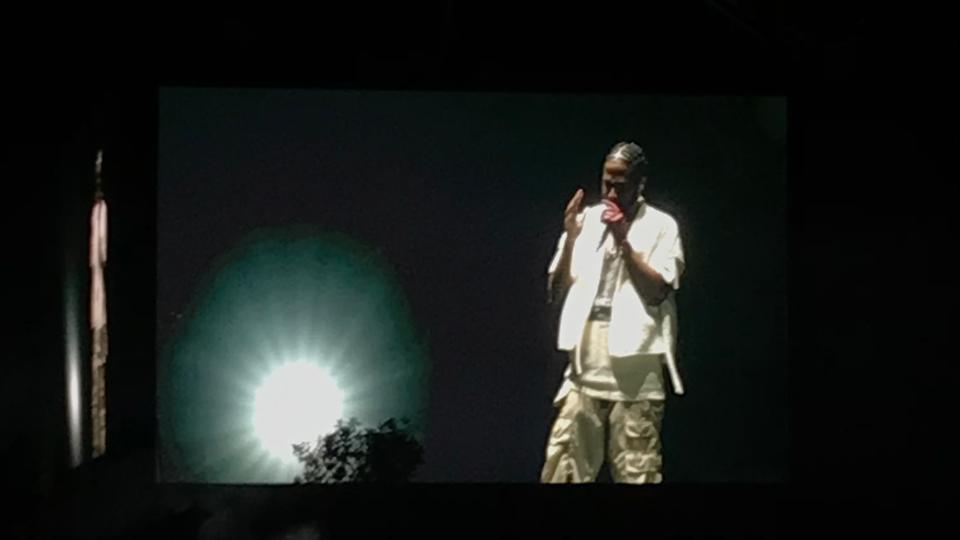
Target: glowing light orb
pixel 296 403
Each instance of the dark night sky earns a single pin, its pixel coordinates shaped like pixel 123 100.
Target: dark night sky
pixel 462 194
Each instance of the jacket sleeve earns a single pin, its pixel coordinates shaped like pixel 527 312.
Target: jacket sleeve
pixel 667 256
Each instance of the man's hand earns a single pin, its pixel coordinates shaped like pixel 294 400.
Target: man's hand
pixel 614 218
pixel 570 223
pixel 560 278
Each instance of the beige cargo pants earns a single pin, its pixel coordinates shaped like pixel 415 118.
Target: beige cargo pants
pixel 586 430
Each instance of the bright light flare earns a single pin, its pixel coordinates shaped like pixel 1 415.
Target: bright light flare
pixel 295 403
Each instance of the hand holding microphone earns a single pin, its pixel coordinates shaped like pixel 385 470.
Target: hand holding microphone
pixel 615 220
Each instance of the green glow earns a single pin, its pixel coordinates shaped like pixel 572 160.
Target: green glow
pixel 284 296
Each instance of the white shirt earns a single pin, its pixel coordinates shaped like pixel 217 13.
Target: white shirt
pixel 635 326
pixel 612 263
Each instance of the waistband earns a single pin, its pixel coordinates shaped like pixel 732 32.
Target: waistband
pixel 600 313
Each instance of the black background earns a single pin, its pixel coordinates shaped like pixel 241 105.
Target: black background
pixel 869 199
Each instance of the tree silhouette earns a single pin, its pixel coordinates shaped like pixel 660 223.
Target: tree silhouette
pixel 352 453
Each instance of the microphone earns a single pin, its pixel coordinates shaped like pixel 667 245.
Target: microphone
pixel 606 230
pixel 626 212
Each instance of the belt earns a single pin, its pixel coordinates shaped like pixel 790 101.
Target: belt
pixel 600 313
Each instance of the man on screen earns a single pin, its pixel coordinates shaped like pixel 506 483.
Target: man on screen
pixel 616 268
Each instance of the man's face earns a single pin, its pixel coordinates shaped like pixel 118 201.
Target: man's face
pixel 615 185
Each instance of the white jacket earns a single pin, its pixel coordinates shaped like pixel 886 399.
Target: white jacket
pixel 635 326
